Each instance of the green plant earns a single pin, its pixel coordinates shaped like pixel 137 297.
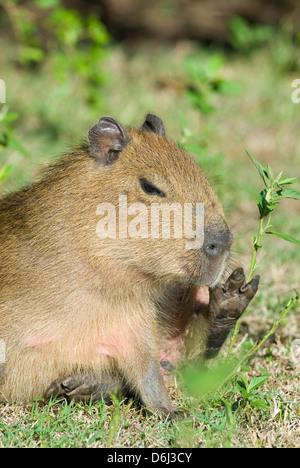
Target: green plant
pixel 7 137
pixel 49 32
pixel 199 146
pixel 284 49
pixel 82 40
pixel 268 199
pixel 244 37
pixel 202 380
pixel 249 392
pixel 9 140
pixel 206 81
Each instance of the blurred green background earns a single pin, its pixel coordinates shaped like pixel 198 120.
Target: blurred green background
pixel 218 73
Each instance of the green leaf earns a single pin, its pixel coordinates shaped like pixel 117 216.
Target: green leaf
pixel 229 87
pixel 31 54
pixel 8 118
pixel 270 172
pixel 240 386
pixel 14 143
pixel 284 236
pixel 47 3
pixel 200 380
pixel 278 177
pixel 259 404
pixel 287 181
pixel 5 171
pixel 213 65
pixel 261 170
pixel 257 382
pixel 244 380
pixel 265 207
pixel 244 393
pixel 290 193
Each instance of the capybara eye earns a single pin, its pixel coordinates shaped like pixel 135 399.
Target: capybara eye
pixel 150 188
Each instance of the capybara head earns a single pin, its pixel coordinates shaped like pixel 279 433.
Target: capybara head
pixel 157 211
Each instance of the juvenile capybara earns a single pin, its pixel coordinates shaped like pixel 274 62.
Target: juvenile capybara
pixel 97 289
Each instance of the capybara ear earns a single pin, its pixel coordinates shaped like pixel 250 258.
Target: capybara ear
pixel 154 124
pixel 107 139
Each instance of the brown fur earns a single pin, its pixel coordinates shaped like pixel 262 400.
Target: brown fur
pixel 70 301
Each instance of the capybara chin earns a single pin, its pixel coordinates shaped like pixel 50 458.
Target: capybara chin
pixel 96 291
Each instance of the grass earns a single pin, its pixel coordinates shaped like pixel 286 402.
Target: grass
pixel 260 118
pixel 222 420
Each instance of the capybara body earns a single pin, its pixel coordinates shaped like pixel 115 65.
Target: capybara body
pixel 77 302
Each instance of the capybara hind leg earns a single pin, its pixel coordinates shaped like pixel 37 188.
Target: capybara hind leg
pixel 85 386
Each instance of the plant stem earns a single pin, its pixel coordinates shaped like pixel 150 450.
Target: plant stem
pixel 292 301
pixel 255 247
pixel 267 201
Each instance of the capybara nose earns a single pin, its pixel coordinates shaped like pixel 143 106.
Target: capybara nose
pixel 217 243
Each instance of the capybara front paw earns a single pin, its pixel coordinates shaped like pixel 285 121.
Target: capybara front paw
pixel 229 300
pixel 227 303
